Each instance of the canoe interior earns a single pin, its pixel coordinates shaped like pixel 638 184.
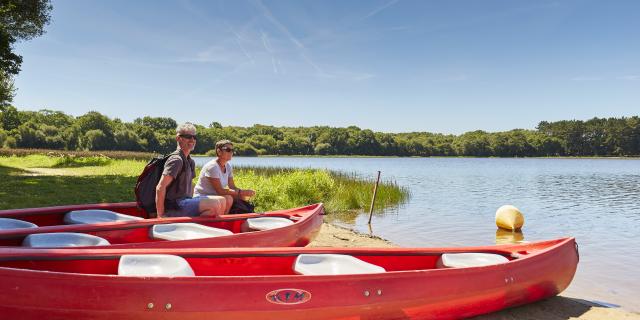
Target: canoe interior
pixel 248 262
pixel 223 266
pixel 138 232
pixel 53 216
pixel 133 233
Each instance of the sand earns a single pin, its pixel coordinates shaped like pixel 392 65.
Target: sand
pixel 556 308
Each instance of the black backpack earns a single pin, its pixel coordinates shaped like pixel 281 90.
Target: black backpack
pixel 147 181
pixel 241 206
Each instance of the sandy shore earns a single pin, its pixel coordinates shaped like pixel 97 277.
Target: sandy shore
pixel 556 308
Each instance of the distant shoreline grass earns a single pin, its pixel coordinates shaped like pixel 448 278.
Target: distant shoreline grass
pixel 148 155
pixel 39 180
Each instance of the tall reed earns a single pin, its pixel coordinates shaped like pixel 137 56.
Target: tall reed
pixel 285 187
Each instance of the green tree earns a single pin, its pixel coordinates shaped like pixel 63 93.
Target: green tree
pixel 19 20
pixel 263 142
pixel 322 149
pixel 158 124
pixel 474 143
pixel 10 118
pixel 94 121
pixel 30 137
pixel 95 140
pixel 241 149
pixel 7 89
pixel 127 140
pixel 3 137
pixel 71 137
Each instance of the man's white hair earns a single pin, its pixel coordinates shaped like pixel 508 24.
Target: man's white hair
pixel 186 127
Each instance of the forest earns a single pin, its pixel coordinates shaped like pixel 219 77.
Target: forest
pixel 93 131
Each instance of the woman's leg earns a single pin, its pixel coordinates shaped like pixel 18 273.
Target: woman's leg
pixel 229 202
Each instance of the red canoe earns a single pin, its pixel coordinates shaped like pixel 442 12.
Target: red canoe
pixel 51 216
pixel 279 283
pixel 302 225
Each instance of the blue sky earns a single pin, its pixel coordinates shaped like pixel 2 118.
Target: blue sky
pixel 392 66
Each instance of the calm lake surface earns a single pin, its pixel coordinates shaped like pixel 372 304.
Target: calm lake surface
pixel 453 203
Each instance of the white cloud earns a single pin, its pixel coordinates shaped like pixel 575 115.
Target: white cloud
pixel 302 50
pixel 380 9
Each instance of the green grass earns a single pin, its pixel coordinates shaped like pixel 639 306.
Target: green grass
pixel 41 180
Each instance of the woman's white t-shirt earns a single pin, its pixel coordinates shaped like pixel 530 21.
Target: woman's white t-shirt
pixel 212 170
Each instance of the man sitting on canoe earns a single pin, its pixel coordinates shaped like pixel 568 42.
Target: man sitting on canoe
pixel 216 178
pixel 174 191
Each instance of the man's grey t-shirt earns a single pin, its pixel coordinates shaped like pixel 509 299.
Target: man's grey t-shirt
pixel 181 187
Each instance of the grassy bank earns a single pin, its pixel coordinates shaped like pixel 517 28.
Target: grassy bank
pixel 43 180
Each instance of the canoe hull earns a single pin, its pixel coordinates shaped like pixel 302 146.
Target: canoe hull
pixel 414 294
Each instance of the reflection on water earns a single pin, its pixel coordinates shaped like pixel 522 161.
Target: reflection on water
pixel 508 237
pixel 454 200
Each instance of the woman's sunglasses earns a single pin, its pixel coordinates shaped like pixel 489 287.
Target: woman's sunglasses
pixel 188 136
pixel 227 149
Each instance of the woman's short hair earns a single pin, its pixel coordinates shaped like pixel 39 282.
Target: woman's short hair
pixel 186 127
pixel 222 143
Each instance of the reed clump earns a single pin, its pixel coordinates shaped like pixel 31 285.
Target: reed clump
pixel 279 188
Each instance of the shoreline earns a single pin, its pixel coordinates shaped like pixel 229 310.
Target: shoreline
pixel 634 157
pixel 558 307
pixel 142 155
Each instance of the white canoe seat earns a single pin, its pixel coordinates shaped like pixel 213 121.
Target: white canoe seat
pixel 154 265
pixel 63 239
pixel 265 223
pixel 186 231
pixel 333 264
pixel 8 224
pixel 470 259
pixel 96 216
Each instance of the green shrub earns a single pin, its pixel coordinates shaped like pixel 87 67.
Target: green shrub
pixel 70 161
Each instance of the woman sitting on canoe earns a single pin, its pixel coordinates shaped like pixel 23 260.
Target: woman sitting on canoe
pixel 216 177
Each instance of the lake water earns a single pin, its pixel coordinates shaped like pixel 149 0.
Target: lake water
pixel 453 203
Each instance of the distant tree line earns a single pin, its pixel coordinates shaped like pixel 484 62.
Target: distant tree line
pixel 46 129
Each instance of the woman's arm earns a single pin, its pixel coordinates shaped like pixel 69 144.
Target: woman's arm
pixel 242 192
pixel 215 182
pixel 232 185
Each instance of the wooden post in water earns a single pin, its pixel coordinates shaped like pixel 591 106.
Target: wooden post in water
pixel 373 199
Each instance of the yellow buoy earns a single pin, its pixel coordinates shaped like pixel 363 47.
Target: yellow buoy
pixel 509 217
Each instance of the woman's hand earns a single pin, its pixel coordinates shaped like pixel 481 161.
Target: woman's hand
pixel 246 193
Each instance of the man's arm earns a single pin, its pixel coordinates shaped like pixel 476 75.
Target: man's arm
pixel 161 191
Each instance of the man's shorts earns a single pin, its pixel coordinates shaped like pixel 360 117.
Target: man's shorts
pixel 187 207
